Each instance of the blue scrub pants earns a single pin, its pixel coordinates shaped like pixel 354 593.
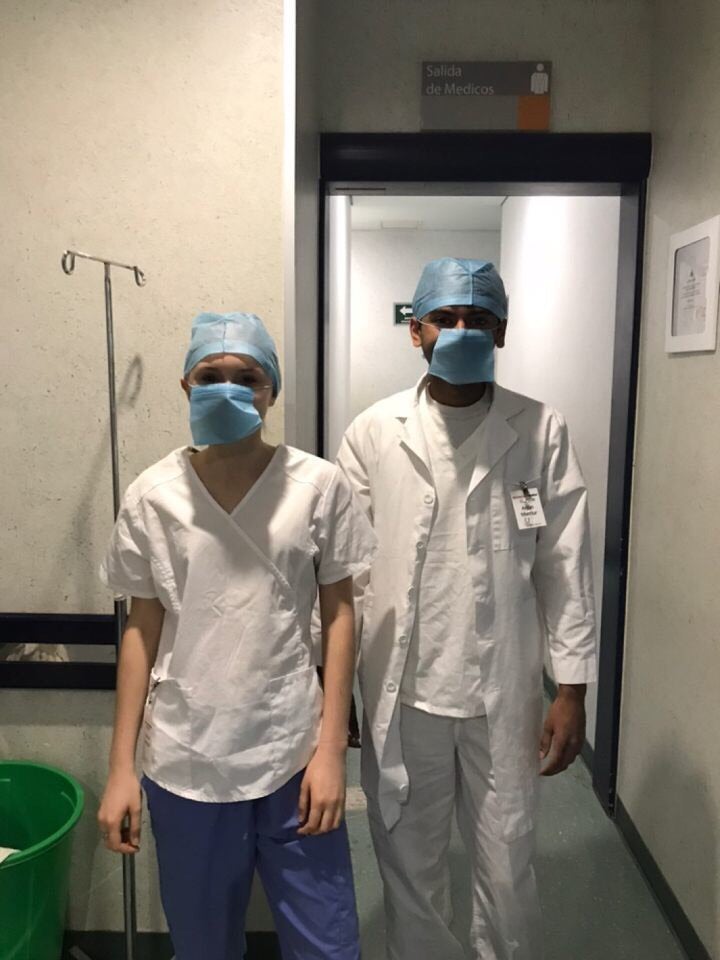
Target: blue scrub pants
pixel 208 852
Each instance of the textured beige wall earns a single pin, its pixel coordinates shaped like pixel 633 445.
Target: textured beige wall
pixel 150 132
pixel 371 52
pixel 670 750
pixel 301 235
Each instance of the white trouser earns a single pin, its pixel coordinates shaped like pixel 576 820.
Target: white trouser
pixel 449 767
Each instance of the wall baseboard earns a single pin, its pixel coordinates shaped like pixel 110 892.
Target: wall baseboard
pixel 110 945
pixel 662 891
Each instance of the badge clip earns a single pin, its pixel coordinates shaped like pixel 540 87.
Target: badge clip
pixel 528 508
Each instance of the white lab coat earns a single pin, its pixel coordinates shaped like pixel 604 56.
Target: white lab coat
pixel 529 585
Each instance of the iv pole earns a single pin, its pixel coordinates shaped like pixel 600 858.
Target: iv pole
pixel 68 264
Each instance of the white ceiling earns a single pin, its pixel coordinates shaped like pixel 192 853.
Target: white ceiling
pixel 426 213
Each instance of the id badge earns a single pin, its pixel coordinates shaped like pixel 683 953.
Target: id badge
pixel 529 512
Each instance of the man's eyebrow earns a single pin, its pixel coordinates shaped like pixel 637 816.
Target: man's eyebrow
pixel 448 311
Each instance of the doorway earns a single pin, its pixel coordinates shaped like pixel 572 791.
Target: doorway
pixel 567 236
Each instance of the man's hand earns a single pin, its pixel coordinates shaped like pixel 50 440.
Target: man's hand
pixel 322 793
pixel 564 730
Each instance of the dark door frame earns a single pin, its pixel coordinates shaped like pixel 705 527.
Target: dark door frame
pixel 522 164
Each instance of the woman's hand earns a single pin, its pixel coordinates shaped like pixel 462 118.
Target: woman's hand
pixel 122 798
pixel 322 793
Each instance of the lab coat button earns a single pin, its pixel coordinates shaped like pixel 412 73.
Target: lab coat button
pixel 402 641
pixel 391 687
pixel 420 546
pixel 429 498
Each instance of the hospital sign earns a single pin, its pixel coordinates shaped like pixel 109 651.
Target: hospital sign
pixel 478 95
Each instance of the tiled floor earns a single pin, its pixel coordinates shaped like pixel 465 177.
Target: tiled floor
pixel 596 903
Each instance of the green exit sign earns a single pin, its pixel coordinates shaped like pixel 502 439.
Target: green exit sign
pixel 403 313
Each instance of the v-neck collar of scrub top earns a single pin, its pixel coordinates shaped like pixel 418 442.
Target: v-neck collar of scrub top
pixel 197 482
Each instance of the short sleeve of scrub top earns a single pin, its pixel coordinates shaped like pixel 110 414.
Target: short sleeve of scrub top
pixel 126 568
pixel 344 537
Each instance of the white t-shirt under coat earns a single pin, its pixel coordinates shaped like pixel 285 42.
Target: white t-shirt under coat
pixel 442 673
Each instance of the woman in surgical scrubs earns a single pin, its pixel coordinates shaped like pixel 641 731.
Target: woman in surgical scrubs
pixel 223 548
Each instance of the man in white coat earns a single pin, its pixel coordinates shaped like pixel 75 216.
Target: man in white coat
pixel 480 510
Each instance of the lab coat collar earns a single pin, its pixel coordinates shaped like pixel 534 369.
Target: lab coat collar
pixel 496 439
pixel 412 436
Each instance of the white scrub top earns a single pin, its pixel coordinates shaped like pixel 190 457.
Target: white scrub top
pixel 234 706
pixel 442 673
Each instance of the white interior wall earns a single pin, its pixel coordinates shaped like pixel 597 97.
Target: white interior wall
pixel 385 269
pixel 149 132
pixel 559 264
pixel 371 53
pixel 669 776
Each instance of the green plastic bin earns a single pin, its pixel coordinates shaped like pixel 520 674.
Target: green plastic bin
pixel 39 806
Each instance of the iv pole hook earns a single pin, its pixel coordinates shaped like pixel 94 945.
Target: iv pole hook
pixel 67 262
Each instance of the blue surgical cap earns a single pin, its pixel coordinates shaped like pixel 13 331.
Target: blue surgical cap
pixel 450 282
pixel 233 333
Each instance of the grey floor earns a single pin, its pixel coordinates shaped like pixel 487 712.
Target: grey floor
pixel 596 903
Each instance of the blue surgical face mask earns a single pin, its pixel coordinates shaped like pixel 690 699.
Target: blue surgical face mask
pixel 464 356
pixel 222 413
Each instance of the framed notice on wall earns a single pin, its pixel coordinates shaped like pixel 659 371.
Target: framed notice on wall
pixel 693 278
